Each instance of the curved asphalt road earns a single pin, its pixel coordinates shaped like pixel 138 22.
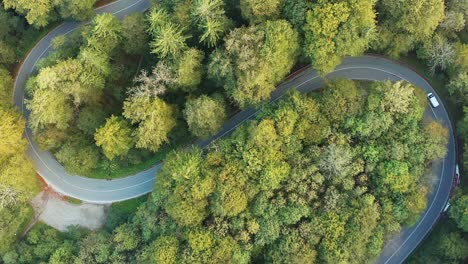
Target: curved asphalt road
pixel 361 68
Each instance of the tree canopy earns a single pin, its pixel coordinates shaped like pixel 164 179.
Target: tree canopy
pixel 155 119
pixel 115 137
pixel 41 13
pixel 254 60
pixel 337 29
pixel 204 115
pixel 402 24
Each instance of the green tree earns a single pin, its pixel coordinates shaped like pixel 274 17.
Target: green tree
pixel 90 118
pixel 436 140
pixel 50 107
pixel 463 124
pixel 135 39
pixel 211 20
pixel 168 37
pixel 337 29
pixel 115 137
pixel 458 212
pixel 95 248
pixel 38 13
pixel 255 60
pixel 204 116
pixel 187 205
pixel 7 54
pixel 78 10
pixel 71 78
pixel 78 157
pixel 41 13
pixel 155 120
pixel 458 87
pixel 63 254
pixel 12 221
pixel 106 33
pixel 402 24
pixel 453 247
pixel 126 238
pixel 165 250
pixel 295 12
pixel 341 98
pixel 396 176
pixel 257 11
pixel 190 69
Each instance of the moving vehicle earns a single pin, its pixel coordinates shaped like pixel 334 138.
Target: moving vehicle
pixel 433 100
pixel 447 206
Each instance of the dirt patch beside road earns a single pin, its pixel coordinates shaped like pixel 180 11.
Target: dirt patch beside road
pixel 55 211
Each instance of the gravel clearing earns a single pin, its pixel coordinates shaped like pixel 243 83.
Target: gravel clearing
pixel 55 211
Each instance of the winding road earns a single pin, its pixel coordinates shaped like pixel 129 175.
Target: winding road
pixel 359 68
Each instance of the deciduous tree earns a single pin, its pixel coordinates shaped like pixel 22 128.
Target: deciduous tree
pixel 155 119
pixel 156 84
pixel 458 212
pixel 337 29
pixel 115 137
pixel 257 11
pixel 135 39
pixel 204 115
pixel 255 60
pixel 402 24
pixel 190 69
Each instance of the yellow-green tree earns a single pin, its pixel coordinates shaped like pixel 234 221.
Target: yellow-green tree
pixel 115 137
pixel 403 24
pixel 337 29
pixel 155 119
pixel 204 115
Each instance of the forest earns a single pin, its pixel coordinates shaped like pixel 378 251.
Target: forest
pixel 304 180
pixel 325 177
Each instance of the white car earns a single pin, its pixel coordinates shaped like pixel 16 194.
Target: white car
pixel 447 206
pixel 433 100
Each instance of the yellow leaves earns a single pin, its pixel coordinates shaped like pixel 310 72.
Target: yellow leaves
pixel 11 133
pixel 200 240
pixel 190 68
pixel 253 226
pixel 115 137
pixel 436 140
pixel 155 120
pixel 232 200
pixel 397 177
pixel 334 30
pixel 416 201
pixel 326 19
pixel 165 250
pixel 18 173
pixel 203 188
pixel 397 97
pixel 265 135
pixel 260 10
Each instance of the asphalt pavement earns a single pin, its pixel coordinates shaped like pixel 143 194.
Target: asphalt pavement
pixel 357 68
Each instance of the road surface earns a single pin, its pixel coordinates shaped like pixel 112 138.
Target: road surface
pixel 360 68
